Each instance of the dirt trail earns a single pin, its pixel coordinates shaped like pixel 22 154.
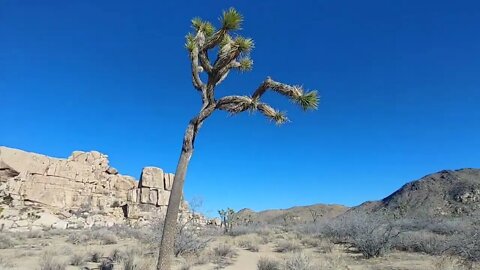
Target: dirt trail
pixel 245 260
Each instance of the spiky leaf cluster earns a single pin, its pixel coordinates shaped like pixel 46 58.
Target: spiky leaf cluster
pixel 308 101
pixel 231 20
pixel 190 42
pixel 205 26
pixel 246 64
pixel 243 44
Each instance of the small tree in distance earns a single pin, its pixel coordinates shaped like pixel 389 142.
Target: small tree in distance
pixel 232 54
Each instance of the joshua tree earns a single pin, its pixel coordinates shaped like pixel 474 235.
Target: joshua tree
pixel 232 54
pixel 315 214
pixel 227 218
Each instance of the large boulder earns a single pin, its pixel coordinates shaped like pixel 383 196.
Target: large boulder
pixel 152 177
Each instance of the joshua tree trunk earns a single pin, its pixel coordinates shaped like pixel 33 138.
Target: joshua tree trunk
pixel 170 225
pixel 232 54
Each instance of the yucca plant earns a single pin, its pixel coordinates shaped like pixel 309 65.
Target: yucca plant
pixel 232 54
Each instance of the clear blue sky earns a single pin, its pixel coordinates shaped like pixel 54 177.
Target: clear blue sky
pixel 399 80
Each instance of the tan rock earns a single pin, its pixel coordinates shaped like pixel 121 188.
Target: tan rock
pixel 168 182
pixel 46 220
pixel 163 197
pixel 112 170
pixel 21 161
pixel 77 188
pixel 144 195
pixel 152 177
pixel 61 225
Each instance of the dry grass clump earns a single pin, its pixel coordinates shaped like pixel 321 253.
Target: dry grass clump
pixel 299 261
pixel 287 246
pixel 449 263
pixel 78 238
pixel 108 239
pixel 6 241
pixel 222 254
pixel 136 262
pixel 95 256
pixel 77 259
pixel 34 234
pixel 249 242
pixel 268 264
pixel 48 262
pixel 334 262
pixel 224 251
pixel 117 255
pixel 322 245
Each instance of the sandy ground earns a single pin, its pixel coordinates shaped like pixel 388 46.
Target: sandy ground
pixel 27 253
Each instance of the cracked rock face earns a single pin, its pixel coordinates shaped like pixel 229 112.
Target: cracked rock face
pixel 82 183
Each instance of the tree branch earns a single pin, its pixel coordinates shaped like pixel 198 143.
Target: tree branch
pixel 204 61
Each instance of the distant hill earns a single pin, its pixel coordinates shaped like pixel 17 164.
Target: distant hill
pixel 298 214
pixel 446 193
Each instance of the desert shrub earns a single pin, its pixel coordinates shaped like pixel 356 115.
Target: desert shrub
pixel 127 232
pixel 189 241
pixel 224 251
pixel 77 259
pixel 430 244
pixel 322 245
pixel 467 246
pixel 117 255
pixel 253 228
pixel 135 262
pixel 448 263
pixel 48 262
pixel 108 239
pixel 424 242
pixel 372 236
pixel 249 242
pixel 268 264
pixel 287 246
pixel 95 256
pixel 55 232
pixel 34 234
pixel 450 226
pixel 299 261
pixel 6 241
pixel 79 238
pixel 249 245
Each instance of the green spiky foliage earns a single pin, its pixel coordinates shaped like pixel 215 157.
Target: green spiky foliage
pixel 308 101
pixel 279 117
pixel 246 64
pixel 189 42
pixel 244 45
pixel 205 26
pixel 231 20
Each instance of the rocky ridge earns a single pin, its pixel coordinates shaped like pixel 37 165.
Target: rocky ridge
pixel 81 191
pixel 448 193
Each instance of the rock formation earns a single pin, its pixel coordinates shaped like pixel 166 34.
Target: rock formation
pixel 81 191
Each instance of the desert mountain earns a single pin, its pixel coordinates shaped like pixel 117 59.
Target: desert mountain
pixel 446 193
pixel 298 214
